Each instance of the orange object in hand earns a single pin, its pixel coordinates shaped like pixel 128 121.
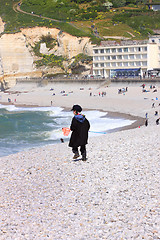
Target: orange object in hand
pixel 66 131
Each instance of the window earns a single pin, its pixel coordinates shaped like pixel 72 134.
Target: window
pixel 102 51
pixel 138 49
pixel 96 51
pixel 138 56
pixel 125 56
pixel 119 64
pixel 144 63
pixel 131 56
pixel 138 63
pixel 145 49
pixel 102 58
pixel 125 49
pixel 113 64
pixel 107 57
pixel 113 57
pixel 131 49
pixel 144 56
pixel 125 64
pixel 107 64
pixel 119 49
pixel 119 57
pixel 96 64
pixel 95 72
pixel 102 64
pixel 113 50
pixel 131 64
pixel 107 50
pixel 95 58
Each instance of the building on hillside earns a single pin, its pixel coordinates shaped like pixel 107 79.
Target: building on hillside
pixel 127 58
pixel 154 6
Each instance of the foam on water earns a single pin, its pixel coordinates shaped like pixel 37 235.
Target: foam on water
pixel 99 124
pixel 12 108
pixel 23 127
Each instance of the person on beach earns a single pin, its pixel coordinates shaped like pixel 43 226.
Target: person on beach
pixel 146 122
pixel 79 137
pixel 157 121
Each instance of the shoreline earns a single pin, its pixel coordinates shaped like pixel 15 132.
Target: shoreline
pixel 139 121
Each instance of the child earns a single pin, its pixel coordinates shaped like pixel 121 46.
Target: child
pixel 79 137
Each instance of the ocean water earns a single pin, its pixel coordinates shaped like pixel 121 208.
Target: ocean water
pixel 25 128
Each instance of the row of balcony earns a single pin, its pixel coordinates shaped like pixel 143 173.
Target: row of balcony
pixel 120 50
pixel 120 64
pixel 119 57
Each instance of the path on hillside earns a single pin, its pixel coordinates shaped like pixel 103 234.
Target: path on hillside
pixel 16 8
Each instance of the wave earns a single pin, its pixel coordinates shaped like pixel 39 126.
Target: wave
pixel 26 127
pixel 13 108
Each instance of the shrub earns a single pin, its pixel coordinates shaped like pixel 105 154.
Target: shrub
pixel 80 58
pixel 50 60
pixel 36 49
pixel 50 42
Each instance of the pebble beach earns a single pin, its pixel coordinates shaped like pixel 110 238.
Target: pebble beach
pixel 114 195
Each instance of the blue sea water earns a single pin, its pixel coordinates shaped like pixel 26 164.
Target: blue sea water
pixel 24 128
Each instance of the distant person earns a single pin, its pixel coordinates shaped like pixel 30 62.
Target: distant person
pixel 157 121
pixel 146 122
pixel 153 105
pixel 156 113
pixel 79 137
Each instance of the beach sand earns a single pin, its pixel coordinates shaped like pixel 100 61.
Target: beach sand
pixel 115 194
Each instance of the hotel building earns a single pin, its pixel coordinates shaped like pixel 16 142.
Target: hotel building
pixel 127 58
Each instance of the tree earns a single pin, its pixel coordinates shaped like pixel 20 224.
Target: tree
pixel 118 3
pixel 131 2
pixel 107 4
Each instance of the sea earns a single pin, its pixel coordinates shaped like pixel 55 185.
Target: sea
pixel 23 128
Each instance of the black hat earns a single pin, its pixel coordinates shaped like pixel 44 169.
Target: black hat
pixel 76 108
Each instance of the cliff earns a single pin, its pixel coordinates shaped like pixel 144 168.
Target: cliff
pixel 17 56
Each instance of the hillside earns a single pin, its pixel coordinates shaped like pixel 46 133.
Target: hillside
pixel 95 19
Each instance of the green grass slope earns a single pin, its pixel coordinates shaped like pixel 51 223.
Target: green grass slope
pixel 81 18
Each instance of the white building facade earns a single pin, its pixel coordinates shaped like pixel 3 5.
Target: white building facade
pixel 127 59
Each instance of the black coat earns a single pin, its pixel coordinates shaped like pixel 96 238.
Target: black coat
pixel 79 134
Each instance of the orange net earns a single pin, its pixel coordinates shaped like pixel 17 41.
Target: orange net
pixel 66 131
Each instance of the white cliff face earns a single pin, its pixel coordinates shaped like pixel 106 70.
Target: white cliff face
pixel 1 25
pixel 68 45
pixel 16 53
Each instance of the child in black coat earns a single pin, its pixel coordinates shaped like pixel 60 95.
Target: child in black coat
pixel 79 137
